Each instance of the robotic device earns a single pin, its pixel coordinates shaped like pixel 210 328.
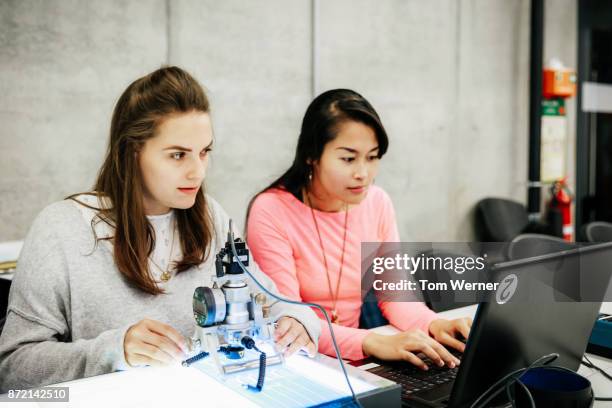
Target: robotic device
pixel 228 313
pixel 230 319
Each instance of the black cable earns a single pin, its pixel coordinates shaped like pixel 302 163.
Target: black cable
pixel 510 396
pixel 511 377
pixel 588 363
pixel 293 302
pixel 262 374
pixel 518 381
pixel 514 378
pixel 531 401
pixel 195 358
pixel 249 343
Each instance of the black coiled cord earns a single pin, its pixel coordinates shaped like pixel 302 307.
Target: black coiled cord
pixel 250 344
pixel 262 374
pixel 195 358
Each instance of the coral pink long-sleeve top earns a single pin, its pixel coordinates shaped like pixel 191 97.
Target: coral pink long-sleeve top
pixel 284 242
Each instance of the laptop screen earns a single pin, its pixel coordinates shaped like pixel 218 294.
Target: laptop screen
pixel 554 303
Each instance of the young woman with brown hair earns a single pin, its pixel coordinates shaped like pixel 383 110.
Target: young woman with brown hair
pixel 105 279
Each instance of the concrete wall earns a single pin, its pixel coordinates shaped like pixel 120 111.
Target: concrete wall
pixel 447 80
pixel 448 77
pixel 63 64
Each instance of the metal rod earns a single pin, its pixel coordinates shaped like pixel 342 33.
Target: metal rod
pixel 248 365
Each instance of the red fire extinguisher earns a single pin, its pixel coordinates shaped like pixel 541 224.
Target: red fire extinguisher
pixel 561 201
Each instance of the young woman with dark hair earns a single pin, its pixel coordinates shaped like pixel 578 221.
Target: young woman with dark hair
pixel 105 279
pixel 306 228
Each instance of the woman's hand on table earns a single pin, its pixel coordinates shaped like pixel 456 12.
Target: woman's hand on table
pixel 291 336
pixel 154 343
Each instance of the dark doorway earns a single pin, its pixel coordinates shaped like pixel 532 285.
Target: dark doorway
pixel 594 132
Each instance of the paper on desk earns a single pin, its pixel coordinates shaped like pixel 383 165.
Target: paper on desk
pixel 150 387
pixel 9 250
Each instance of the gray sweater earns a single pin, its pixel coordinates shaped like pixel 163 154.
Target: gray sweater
pixel 69 308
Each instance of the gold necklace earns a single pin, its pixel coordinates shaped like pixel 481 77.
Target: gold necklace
pixel 334 312
pixel 166 275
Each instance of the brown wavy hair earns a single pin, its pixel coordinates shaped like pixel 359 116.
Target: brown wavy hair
pixel 140 110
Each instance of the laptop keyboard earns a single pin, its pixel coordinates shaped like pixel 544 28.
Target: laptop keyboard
pixel 413 379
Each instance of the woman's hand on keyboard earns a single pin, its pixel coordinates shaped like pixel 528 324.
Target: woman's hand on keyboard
pixel 406 346
pixel 447 332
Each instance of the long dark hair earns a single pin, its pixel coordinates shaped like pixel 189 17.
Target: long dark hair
pixel 139 111
pixel 320 125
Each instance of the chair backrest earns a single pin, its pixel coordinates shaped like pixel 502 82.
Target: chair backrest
pixel 371 315
pixel 5 287
pixel 598 231
pixel 500 219
pixel 529 245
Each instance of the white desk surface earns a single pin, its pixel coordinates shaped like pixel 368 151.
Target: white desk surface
pixel 178 386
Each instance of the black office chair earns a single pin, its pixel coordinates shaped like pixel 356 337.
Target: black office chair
pixel 598 231
pixel 499 219
pixel 371 315
pixel 530 245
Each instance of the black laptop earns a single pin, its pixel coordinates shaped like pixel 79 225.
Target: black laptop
pixel 552 310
